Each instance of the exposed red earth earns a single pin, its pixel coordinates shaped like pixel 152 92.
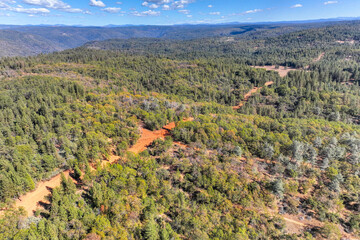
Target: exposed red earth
pixel 250 93
pixel 32 200
pixel 148 137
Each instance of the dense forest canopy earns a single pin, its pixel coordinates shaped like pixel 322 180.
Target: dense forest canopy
pixel 283 165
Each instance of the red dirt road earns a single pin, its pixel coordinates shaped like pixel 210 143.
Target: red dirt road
pixel 148 137
pixel 31 200
pixel 319 57
pixel 250 93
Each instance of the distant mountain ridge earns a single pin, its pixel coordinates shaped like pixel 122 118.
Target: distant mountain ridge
pixel 32 40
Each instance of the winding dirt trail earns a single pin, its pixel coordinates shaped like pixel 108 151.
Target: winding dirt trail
pixel 319 57
pixel 148 137
pixel 250 93
pixel 31 201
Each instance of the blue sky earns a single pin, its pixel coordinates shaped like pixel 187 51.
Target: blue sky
pixel 167 12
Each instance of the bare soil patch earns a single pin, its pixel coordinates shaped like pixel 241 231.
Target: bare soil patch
pixel 148 137
pixel 283 71
pixel 250 93
pixel 31 201
pixel 319 57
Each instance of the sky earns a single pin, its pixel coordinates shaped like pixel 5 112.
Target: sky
pixel 169 12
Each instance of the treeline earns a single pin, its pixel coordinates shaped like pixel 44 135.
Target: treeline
pixel 296 49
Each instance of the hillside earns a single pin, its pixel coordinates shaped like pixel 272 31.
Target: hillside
pixel 32 40
pixel 168 140
pixel 15 43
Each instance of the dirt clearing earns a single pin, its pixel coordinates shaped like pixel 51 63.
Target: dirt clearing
pixel 283 71
pixel 148 137
pixel 31 201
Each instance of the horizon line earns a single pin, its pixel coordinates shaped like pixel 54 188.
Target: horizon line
pixel 338 19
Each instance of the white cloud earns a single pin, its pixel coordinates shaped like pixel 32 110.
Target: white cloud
pixel 7 1
pixel 253 11
pixel 179 4
pixel 146 13
pixel 97 3
pixel 165 7
pixel 21 9
pixel 154 6
pixel 297 6
pixel 29 10
pixel 210 6
pixel 3 5
pixel 248 12
pixel 330 2
pixel 166 4
pixel 158 2
pixel 73 10
pixel 111 9
pixel 214 13
pixel 53 4
pixel 3 2
pixel 184 11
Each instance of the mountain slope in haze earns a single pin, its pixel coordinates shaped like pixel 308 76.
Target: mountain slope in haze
pixel 15 43
pixel 296 49
pixel 32 40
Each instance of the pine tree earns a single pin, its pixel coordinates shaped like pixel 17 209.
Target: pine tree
pixel 151 231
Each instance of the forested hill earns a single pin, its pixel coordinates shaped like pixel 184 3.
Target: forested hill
pixel 260 155
pixel 32 40
pixel 295 49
